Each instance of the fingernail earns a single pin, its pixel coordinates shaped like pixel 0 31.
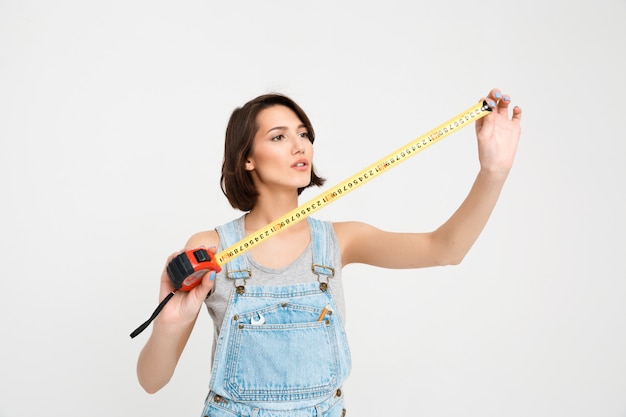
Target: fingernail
pixel 507 98
pixel 498 95
pixel 492 103
pixel 212 275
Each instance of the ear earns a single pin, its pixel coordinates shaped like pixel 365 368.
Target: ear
pixel 249 165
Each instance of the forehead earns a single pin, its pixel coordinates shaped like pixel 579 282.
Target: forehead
pixel 277 116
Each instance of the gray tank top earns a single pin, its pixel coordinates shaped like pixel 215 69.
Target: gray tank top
pixel 299 271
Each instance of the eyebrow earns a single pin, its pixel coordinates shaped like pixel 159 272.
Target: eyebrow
pixel 284 128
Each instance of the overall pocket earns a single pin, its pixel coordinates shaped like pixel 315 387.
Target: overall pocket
pixel 282 353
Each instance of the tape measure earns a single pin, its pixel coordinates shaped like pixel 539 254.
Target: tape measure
pixel 186 270
pixel 362 177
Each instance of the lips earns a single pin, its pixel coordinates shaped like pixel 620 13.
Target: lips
pixel 301 164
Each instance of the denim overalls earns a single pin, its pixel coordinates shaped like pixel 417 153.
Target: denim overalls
pixel 278 354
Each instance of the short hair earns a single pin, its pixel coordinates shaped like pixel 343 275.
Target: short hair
pixel 236 182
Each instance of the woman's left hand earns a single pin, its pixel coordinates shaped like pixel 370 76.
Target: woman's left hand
pixel 498 134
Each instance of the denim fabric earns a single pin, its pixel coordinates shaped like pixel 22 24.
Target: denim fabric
pixel 273 355
pixel 299 271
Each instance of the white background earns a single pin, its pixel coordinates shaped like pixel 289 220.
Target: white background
pixel 112 117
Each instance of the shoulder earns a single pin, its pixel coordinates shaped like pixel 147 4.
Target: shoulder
pixel 352 237
pixel 207 238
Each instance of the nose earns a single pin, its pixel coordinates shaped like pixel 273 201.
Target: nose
pixel 298 146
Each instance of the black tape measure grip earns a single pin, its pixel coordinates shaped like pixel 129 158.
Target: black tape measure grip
pixel 185 272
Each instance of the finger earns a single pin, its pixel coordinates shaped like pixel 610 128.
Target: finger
pixel 166 285
pixel 206 285
pixel 517 114
pixel 503 105
pixel 495 94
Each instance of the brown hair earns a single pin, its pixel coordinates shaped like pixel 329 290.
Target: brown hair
pixel 236 182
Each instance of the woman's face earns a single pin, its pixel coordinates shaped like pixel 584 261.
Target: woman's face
pixel 281 151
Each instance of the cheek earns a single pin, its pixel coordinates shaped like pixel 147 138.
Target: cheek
pixel 263 157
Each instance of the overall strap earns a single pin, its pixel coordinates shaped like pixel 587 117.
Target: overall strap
pixel 230 233
pixel 321 246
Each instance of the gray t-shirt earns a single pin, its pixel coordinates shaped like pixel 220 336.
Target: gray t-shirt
pixel 297 272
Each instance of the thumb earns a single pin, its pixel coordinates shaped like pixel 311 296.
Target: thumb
pixel 208 280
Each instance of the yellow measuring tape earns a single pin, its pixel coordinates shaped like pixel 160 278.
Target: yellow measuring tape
pixel 374 170
pixel 382 165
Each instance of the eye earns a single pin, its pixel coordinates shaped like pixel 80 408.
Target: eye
pixel 304 135
pixel 279 137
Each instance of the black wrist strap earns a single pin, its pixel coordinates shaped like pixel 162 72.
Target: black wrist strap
pixel 153 316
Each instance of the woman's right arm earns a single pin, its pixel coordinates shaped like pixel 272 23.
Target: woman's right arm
pixel 172 327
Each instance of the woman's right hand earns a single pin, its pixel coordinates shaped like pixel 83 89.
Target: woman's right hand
pixel 184 306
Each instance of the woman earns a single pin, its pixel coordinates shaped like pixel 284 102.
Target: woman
pixel 280 347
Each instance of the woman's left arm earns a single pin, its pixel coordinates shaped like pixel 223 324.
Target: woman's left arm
pixel 498 137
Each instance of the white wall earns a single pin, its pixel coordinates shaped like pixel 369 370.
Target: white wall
pixel 111 126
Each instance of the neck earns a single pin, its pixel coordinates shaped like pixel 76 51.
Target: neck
pixel 270 208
